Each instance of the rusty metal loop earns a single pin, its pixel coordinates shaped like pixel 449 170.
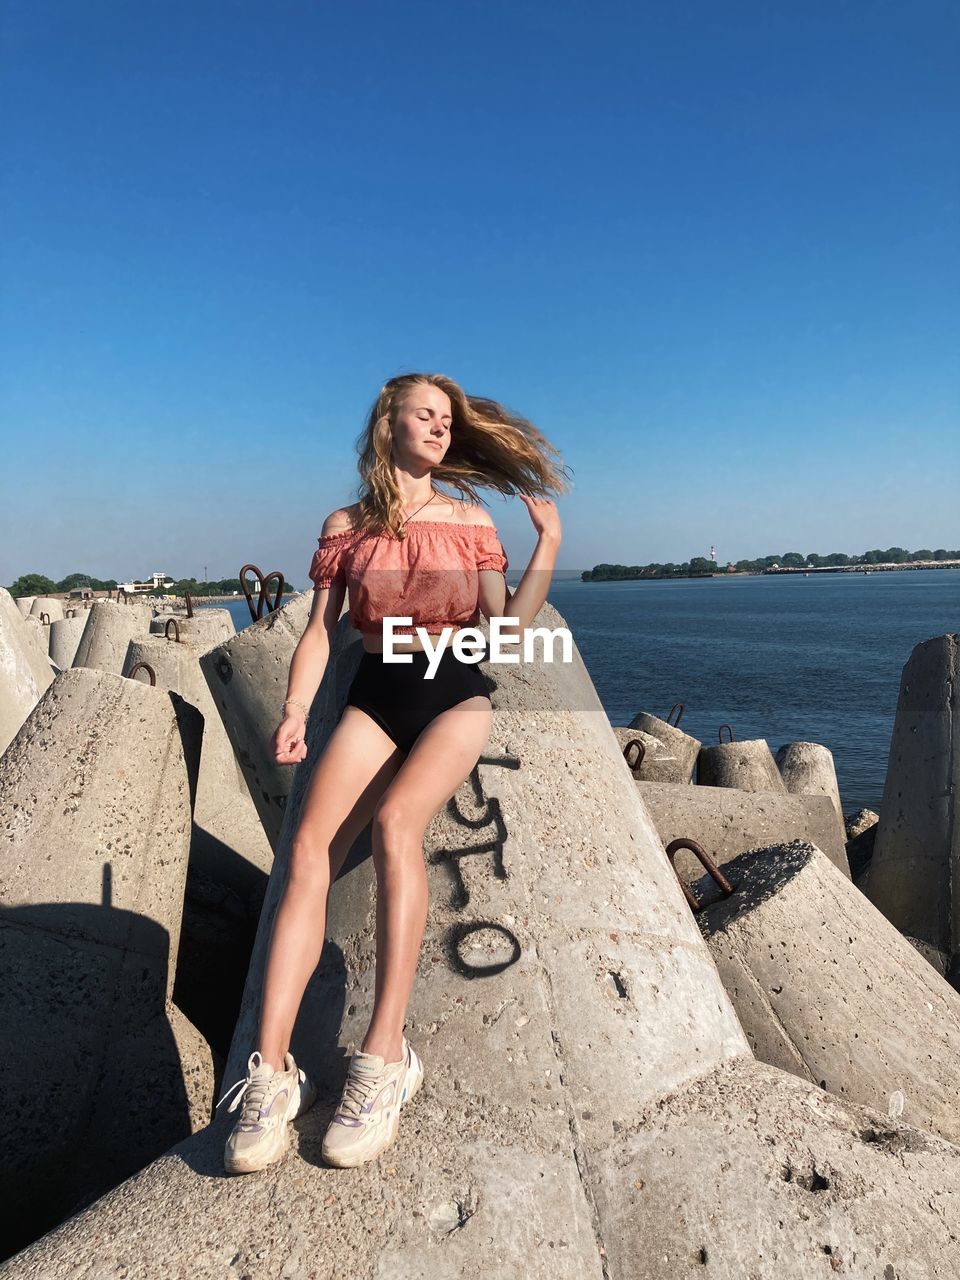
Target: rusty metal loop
pixel 69 613
pixel 44 619
pixel 711 868
pixel 641 752
pixel 264 603
pixel 121 595
pixel 172 622
pixel 720 733
pixel 678 707
pixel 189 601
pixel 143 666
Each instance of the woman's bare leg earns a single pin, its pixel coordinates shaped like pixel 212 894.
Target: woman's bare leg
pixel 440 760
pixel 357 764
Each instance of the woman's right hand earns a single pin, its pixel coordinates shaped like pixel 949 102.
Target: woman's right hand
pixel 289 741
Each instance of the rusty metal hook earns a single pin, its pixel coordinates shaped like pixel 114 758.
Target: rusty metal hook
pixel 264 603
pixel 720 733
pixel 189 600
pixel 145 666
pixel 172 622
pixel 711 868
pixel 675 707
pixel 44 619
pixel 641 752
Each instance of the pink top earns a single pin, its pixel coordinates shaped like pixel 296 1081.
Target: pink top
pixel 430 575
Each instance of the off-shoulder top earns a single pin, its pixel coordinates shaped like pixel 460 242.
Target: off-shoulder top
pixel 430 575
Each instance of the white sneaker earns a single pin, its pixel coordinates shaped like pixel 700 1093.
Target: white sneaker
pixel 367 1119
pixel 270 1099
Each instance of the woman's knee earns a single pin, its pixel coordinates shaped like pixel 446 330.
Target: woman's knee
pixel 310 860
pixel 396 830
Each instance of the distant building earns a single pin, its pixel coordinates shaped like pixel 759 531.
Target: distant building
pixel 81 593
pixel 158 582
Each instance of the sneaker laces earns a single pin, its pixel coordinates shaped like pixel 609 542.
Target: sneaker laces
pixel 357 1090
pixel 252 1094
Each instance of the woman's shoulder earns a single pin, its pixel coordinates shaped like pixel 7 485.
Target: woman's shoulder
pixel 475 515
pixel 343 520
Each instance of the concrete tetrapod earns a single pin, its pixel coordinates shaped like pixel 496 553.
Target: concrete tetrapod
pixel 38 634
pixel 110 628
pixel 748 766
pixel 22 674
pixel 95 801
pixel 826 987
pixel 728 822
pixel 49 605
pixel 29 640
pixel 677 757
pixel 65 635
pixel 654 758
pixel 590 1107
pixel 915 870
pixel 807 769
pixel 24 603
pixel 247 676
pixel 207 627
pixel 221 789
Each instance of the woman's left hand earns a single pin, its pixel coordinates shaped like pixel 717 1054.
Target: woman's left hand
pixel 543 512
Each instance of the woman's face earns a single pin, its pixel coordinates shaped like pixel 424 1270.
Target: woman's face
pixel 421 434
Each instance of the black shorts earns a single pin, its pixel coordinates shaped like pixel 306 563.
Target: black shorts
pixel 402 701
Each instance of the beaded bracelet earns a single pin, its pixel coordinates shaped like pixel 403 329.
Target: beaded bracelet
pixel 297 703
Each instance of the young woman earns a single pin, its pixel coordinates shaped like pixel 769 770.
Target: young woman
pixel 404 744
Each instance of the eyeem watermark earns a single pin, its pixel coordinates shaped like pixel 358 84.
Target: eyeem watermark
pixel 470 644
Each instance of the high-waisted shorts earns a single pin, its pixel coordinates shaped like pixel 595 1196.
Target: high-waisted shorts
pixel 402 701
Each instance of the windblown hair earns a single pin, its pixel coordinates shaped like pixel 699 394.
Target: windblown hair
pixel 490 447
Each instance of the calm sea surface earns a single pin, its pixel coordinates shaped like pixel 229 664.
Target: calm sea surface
pixel 814 659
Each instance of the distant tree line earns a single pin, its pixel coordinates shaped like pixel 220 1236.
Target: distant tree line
pixel 37 584
pixel 700 566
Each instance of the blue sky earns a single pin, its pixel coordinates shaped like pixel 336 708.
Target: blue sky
pixel 710 249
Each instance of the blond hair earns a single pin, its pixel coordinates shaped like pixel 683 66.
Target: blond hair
pixel 489 447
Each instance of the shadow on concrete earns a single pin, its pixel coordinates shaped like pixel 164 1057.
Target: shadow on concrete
pixel 94 1080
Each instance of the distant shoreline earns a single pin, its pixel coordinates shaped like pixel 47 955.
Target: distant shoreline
pixel 864 568
pixel 788 571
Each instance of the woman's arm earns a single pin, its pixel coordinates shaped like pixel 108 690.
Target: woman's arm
pixel 307 666
pixel 496 599
pixel 309 661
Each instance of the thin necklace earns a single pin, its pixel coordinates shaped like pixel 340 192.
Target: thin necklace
pixel 405 520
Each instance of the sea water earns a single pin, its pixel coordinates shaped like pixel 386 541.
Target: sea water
pixel 789 659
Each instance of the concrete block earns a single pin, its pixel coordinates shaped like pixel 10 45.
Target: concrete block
pixel 65 640
pixel 728 822
pixel 807 769
pixel 95 809
pixel 750 1173
pixel 915 869
pixel 247 677
pixel 671 754
pixel 221 785
pixel 20 671
pixel 47 608
pixel 207 627
pixel 38 634
pixel 748 766
pixel 110 628
pixel 857 823
pixel 825 987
